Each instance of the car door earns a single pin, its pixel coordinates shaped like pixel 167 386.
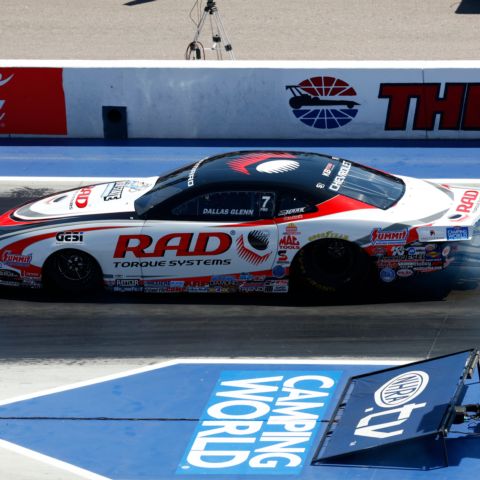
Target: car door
pixel 213 241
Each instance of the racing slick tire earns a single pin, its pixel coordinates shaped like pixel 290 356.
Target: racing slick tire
pixel 331 266
pixel 72 271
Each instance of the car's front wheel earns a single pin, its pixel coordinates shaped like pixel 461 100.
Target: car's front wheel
pixel 72 271
pixel 331 266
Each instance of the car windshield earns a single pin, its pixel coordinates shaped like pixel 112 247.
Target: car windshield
pixel 166 187
pixel 370 186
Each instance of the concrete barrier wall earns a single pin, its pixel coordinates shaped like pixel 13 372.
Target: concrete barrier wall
pixel 306 100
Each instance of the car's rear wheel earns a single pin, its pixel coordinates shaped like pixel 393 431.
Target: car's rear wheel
pixel 72 271
pixel 331 266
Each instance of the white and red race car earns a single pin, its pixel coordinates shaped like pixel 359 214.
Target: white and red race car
pixel 253 221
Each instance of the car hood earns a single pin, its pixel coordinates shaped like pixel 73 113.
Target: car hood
pixel 103 198
pixel 445 209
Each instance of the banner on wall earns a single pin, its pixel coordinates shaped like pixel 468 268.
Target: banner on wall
pixel 32 101
pixel 249 100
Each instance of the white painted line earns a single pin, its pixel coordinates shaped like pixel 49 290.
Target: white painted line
pixel 51 461
pixel 183 361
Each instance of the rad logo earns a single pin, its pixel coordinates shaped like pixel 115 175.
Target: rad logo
pixel 323 102
pixel 259 422
pixel 393 397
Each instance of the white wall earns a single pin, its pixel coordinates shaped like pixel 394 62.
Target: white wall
pixel 247 99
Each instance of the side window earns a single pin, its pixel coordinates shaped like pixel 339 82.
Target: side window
pixel 292 203
pixel 230 205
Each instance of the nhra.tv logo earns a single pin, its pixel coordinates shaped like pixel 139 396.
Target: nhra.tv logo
pixel 323 102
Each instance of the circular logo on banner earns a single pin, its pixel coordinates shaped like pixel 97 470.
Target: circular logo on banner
pixel 323 102
pixel 401 389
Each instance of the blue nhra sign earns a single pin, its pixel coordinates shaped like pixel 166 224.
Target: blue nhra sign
pixel 260 422
pixel 395 405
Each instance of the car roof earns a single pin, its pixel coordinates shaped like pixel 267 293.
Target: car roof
pixel 264 168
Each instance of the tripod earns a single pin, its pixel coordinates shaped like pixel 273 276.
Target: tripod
pixel 195 50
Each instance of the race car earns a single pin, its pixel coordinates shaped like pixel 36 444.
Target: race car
pixel 249 221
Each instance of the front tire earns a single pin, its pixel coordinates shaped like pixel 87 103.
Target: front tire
pixel 331 266
pixel 72 271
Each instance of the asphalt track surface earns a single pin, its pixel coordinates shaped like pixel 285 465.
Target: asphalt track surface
pixel 258 29
pixel 436 315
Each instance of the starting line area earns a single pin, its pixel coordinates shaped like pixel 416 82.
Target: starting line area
pixel 193 419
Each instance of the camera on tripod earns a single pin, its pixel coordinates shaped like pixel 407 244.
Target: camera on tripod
pixel 195 49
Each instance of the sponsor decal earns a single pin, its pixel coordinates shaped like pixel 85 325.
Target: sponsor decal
pixel 327 171
pixel 379 252
pixel 10 277
pixel 197 288
pixel 328 234
pixel 9 258
pixel 276 286
pixel 173 263
pixel 404 272
pixel 387 274
pixel 223 280
pixel 393 397
pixel 136 185
pixel 291 229
pixel 81 200
pixel 446 251
pixel 341 176
pixel 278 271
pixel 323 102
pixel 114 191
pixel 183 244
pixel 457 233
pixel 398 251
pixel 245 253
pixel 457 108
pixel 389 237
pixel 32 101
pixel 162 286
pixel 259 422
pixel 291 211
pixel 401 389
pixel 431 233
pixel 282 256
pixel 242 163
pixel 289 242
pixel 468 201
pixel 69 237
pixel 251 287
pixel 128 285
pixel 191 175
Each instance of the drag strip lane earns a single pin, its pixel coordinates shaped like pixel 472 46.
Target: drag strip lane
pixel 33 324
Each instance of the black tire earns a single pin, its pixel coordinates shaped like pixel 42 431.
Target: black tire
pixel 331 266
pixel 72 271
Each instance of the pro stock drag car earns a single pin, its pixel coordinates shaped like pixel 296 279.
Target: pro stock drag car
pixel 253 221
